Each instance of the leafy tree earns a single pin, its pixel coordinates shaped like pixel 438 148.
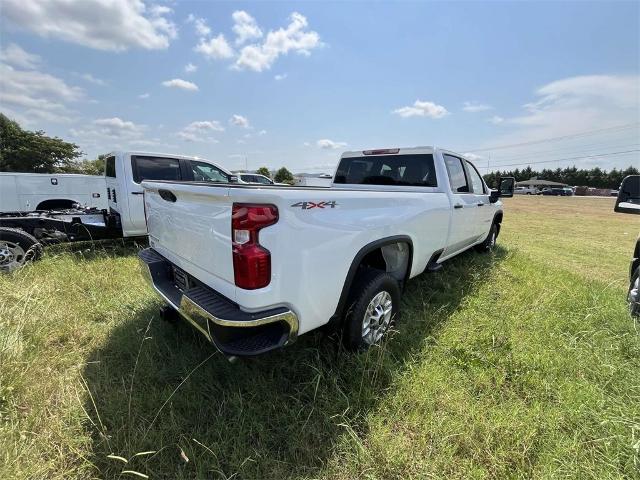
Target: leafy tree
pixel 284 176
pixel 87 167
pixel 264 171
pixel 594 177
pixel 26 151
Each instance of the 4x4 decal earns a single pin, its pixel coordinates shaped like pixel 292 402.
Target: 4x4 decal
pixel 309 205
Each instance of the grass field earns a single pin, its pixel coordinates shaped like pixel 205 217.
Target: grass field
pixel 521 363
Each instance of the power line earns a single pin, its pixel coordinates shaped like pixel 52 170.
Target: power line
pixel 553 139
pixel 581 157
pixel 573 150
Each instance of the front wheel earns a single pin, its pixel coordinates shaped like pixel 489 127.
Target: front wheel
pixel 633 297
pixel 374 302
pixel 489 242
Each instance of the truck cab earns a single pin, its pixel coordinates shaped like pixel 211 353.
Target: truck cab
pixel 124 171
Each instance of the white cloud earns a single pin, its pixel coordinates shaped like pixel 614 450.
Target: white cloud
pixel 37 95
pixel 116 127
pixel 202 29
pixel 262 132
pixel 472 156
pixel 474 107
pixel 327 144
pixel 239 121
pixel 91 79
pixel 422 109
pixel 572 106
pixel 280 76
pixel 306 144
pixel 496 120
pixel 14 55
pixel 294 38
pixel 215 47
pixel 245 27
pixel 181 84
pixel 198 131
pixel 100 24
pixel 190 68
pixel 144 95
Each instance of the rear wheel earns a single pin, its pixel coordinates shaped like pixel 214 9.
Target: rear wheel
pixel 374 302
pixel 633 297
pixel 17 247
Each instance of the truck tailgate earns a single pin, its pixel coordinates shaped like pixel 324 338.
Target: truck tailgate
pixel 193 231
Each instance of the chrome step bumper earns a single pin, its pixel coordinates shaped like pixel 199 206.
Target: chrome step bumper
pixel 221 321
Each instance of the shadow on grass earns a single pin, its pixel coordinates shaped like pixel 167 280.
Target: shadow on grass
pixel 275 416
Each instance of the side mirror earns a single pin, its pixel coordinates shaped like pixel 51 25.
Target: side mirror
pixel 233 179
pixel 628 200
pixel 505 189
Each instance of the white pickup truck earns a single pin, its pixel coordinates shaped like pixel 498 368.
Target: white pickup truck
pixel 24 232
pixel 253 267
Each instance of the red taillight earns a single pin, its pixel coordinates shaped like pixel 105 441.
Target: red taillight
pixel 251 261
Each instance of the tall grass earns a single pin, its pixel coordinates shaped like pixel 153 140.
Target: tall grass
pixel 521 363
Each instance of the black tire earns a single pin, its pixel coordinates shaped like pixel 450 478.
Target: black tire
pixel 633 295
pixel 368 285
pixel 17 247
pixel 490 241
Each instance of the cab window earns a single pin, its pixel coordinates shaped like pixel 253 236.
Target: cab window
pixel 155 168
pixel 205 172
pixel 476 179
pixel 110 167
pixel 457 175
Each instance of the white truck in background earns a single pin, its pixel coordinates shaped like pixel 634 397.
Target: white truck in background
pixel 23 233
pixel 26 192
pixel 252 267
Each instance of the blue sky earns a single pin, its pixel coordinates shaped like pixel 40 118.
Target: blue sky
pixel 295 84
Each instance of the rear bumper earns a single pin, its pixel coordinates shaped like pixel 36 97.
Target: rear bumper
pixel 231 330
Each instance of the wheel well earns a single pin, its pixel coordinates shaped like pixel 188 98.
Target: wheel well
pixel 393 255
pixel 54 204
pixel 392 258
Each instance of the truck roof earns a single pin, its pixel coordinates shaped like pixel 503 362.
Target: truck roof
pixel 156 154
pixel 390 151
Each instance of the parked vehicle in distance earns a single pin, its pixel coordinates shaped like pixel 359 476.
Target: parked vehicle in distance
pixel 525 191
pixel 558 191
pixel 254 267
pixel 257 179
pixel 27 192
pixel 23 233
pixel 628 201
pixel 614 193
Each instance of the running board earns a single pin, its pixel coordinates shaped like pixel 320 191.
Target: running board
pixel 432 266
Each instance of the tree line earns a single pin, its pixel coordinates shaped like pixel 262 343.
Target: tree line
pixel 594 177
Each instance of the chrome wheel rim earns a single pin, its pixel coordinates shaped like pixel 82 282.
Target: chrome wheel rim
pixel 12 256
pixel 634 296
pixel 377 317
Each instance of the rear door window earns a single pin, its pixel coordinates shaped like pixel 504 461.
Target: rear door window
pixel 404 170
pixel 457 175
pixel 155 168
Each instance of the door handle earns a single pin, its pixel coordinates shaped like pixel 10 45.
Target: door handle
pixel 137 193
pixel 458 205
pixel 481 204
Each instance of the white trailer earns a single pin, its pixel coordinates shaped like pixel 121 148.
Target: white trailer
pixel 27 192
